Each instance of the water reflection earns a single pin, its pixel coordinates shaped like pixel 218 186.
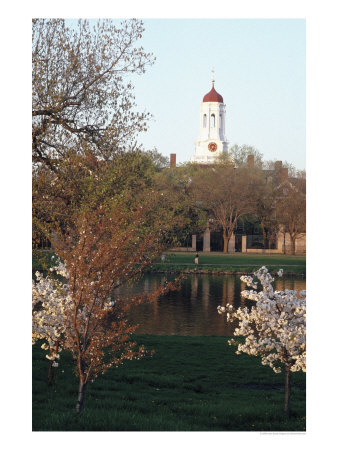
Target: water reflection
pixel 193 310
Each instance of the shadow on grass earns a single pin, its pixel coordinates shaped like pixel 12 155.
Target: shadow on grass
pixel 190 384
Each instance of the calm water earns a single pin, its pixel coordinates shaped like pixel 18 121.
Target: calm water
pixel 192 311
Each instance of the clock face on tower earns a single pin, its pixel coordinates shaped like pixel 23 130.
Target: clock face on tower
pixel 212 147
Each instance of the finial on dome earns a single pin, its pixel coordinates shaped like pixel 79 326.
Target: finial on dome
pixel 213 76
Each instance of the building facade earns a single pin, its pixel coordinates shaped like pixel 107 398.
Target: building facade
pixel 210 145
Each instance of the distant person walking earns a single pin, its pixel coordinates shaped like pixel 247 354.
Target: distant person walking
pixel 196 258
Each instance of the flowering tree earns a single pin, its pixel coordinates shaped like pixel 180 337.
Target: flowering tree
pixel 50 303
pixel 53 314
pixel 102 209
pixel 103 249
pixel 274 329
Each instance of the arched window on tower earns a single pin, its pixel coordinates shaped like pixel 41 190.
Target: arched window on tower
pixel 220 122
pixel 204 121
pixel 212 120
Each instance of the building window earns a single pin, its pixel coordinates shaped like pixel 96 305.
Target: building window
pixel 204 120
pixel 212 120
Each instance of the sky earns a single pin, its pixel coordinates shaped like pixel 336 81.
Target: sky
pixel 259 70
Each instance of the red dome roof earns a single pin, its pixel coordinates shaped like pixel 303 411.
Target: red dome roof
pixel 213 96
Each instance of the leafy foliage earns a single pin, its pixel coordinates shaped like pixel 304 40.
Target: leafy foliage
pixel 226 194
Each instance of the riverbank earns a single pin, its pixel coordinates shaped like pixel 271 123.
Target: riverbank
pixel 237 263
pixel 189 384
pixel 216 263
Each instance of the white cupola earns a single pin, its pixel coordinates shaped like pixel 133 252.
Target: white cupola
pixel 212 141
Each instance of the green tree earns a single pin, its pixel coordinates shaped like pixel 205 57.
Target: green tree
pixel 81 106
pixel 291 209
pixel 239 154
pixel 227 194
pixel 265 209
pixel 293 172
pixel 177 184
pixel 83 182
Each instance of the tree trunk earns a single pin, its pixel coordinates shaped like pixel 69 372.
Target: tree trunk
pixel 287 390
pixel 293 245
pixel 264 234
pixel 284 246
pixel 51 367
pixel 226 240
pixel 50 373
pixel 80 398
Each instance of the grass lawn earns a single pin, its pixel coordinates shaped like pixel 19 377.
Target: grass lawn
pixel 208 262
pixel 190 384
pixel 232 263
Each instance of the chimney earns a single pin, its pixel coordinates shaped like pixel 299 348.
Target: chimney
pixel 172 160
pixel 283 174
pixel 251 161
pixel 278 166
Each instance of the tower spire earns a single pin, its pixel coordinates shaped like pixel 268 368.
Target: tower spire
pixel 211 141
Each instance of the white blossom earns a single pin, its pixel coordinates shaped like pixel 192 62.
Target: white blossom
pixel 50 302
pixel 275 327
pixel 53 306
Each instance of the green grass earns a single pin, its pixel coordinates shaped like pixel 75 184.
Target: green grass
pixel 208 262
pixel 190 384
pixel 231 263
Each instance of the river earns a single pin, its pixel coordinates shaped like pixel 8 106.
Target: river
pixel 192 310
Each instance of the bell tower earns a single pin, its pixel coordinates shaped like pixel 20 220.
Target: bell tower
pixel 212 141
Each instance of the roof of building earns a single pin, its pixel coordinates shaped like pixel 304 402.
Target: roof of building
pixel 213 96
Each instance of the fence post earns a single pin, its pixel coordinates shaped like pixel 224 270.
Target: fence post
pixel 206 240
pixel 193 242
pixel 243 244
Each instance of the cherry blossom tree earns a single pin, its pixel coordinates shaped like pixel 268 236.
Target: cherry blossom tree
pixel 50 303
pixel 102 250
pixel 274 328
pixel 95 194
pixel 53 322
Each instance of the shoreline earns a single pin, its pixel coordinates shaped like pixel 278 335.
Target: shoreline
pixel 222 272
pixel 219 271
pixel 211 263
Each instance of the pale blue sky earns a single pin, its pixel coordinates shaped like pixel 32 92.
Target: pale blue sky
pixel 259 70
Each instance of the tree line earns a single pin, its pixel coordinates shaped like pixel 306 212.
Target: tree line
pixel 240 188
